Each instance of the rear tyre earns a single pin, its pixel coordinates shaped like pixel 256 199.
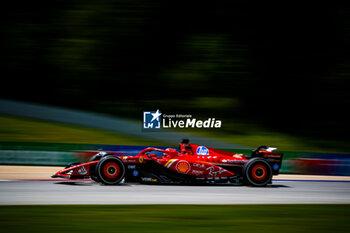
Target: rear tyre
pixel 257 172
pixel 110 170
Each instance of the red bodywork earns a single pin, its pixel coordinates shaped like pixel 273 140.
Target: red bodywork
pixel 194 160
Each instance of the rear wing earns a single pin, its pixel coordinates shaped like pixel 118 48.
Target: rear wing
pixel 274 159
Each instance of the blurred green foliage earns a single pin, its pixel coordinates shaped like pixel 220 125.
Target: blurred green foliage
pixel 16 132
pixel 22 130
pixel 175 218
pixel 287 69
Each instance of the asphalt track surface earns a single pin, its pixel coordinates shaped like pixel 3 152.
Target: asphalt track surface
pixel 89 192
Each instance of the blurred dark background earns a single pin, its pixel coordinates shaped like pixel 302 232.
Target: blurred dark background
pixel 282 66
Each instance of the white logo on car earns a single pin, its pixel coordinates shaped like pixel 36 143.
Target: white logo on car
pixel 202 150
pixel 82 171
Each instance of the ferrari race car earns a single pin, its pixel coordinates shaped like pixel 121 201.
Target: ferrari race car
pixel 192 164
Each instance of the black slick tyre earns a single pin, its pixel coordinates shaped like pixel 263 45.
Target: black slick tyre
pixel 93 168
pixel 257 172
pixel 110 170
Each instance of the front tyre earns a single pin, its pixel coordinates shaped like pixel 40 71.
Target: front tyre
pixel 257 172
pixel 110 170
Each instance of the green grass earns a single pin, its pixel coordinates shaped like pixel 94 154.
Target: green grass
pixel 175 218
pixel 18 129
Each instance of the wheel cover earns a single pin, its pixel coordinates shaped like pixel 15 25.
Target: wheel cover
pixel 111 170
pixel 259 172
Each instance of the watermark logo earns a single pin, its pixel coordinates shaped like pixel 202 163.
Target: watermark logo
pixel 158 120
pixel 152 120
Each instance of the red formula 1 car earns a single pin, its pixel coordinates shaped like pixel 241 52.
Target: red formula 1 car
pixel 192 164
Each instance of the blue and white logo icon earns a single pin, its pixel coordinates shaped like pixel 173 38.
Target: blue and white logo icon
pixel 135 173
pixel 276 166
pixel 151 120
pixel 202 150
